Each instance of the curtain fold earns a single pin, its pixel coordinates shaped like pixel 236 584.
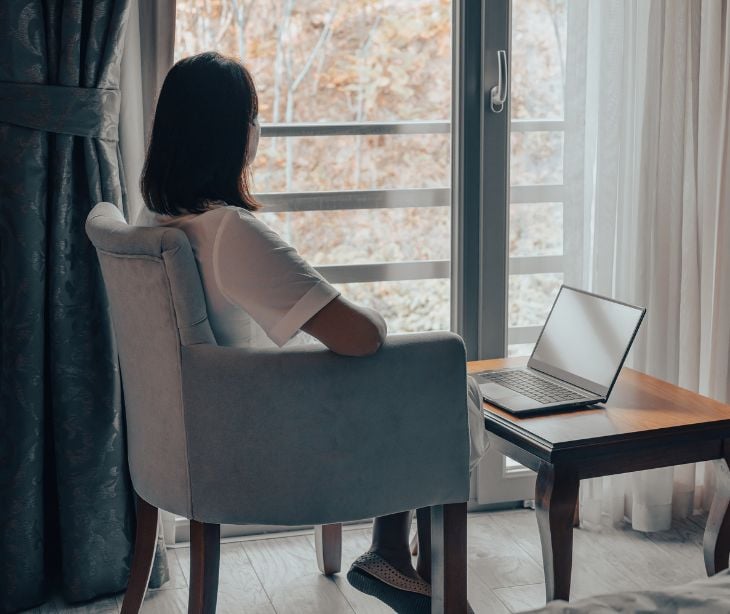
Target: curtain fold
pixel 658 206
pixel 151 35
pixel 148 55
pixel 67 516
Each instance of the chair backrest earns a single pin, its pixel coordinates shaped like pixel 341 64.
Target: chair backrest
pixel 157 306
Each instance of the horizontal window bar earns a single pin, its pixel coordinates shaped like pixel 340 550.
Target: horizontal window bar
pixel 425 269
pixel 355 128
pixel 393 199
pixel 354 199
pixel 523 334
pixel 441 126
pixel 385 271
pixel 526 194
pixel 537 125
pixel 530 265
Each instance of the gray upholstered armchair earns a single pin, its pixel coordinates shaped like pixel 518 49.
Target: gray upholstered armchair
pixel 227 435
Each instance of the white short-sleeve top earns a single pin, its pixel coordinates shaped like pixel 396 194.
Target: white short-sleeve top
pixel 254 281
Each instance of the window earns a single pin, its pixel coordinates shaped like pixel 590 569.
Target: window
pixel 354 162
pixel 545 219
pixel 354 166
pixel 542 196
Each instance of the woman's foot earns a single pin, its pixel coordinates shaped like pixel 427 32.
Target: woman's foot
pixel 386 572
pixel 399 558
pixel 393 581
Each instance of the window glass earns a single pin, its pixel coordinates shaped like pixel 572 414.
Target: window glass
pixel 361 235
pixel 531 296
pixel 329 61
pixel 407 306
pixel 316 163
pixel 536 158
pixel 536 229
pixel 537 82
pixel 538 58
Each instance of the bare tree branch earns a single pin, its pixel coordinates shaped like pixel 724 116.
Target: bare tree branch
pixel 363 54
pixel 278 59
pixel 278 62
pixel 242 12
pixel 323 36
pixel 224 22
pixel 320 62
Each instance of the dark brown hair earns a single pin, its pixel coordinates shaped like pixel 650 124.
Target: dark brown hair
pixel 199 143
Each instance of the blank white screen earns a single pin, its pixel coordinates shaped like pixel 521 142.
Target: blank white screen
pixel 587 336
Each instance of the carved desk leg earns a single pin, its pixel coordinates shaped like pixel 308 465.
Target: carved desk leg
pixel 717 531
pixel 556 494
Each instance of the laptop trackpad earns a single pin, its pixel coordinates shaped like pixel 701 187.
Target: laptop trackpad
pixel 506 397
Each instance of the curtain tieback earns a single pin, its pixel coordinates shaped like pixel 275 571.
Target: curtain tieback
pixel 78 111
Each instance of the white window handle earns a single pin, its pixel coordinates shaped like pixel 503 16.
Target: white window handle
pixel 498 94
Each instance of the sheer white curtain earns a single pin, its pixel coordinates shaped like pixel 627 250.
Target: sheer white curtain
pixel 656 212
pixel 148 55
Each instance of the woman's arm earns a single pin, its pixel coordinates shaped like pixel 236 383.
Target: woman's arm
pixel 348 329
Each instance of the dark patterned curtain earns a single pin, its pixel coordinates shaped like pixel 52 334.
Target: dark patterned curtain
pixel 66 503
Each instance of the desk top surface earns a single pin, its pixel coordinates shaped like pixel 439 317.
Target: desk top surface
pixel 639 406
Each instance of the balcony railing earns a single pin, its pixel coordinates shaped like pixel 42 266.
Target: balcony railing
pixel 409 197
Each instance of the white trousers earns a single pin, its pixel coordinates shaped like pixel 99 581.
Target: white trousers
pixel 477 433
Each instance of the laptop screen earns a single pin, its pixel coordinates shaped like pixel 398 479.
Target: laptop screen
pixel 585 339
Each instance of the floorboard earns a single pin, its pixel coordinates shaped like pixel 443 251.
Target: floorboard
pixel 105 605
pixel 280 576
pixel 239 587
pixel 354 543
pixel 287 569
pixel 497 558
pixel 178 576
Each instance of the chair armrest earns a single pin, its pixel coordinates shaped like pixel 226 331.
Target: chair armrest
pixel 305 436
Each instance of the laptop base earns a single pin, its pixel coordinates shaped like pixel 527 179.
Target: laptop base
pixel 531 397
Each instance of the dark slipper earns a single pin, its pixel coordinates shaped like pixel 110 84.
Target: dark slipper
pixel 373 575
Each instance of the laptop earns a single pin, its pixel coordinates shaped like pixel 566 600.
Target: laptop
pixel 576 359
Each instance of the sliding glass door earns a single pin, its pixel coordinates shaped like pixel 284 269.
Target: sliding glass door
pixel 546 197
pixel 354 164
pixel 413 151
pixel 537 222
pixel 482 255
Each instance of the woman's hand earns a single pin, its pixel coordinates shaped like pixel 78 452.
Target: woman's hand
pixel 348 329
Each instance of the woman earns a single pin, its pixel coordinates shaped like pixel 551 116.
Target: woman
pixel 257 288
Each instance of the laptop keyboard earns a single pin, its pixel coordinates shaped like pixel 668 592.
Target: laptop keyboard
pixel 532 386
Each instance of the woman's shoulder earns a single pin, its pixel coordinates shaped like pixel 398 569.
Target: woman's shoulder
pixel 219 214
pixel 239 224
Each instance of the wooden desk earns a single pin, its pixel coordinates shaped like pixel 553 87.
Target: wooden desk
pixel 647 423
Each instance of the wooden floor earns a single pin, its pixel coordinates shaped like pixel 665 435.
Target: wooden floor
pixel 279 575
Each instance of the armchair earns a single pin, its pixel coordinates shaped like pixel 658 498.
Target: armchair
pixel 289 437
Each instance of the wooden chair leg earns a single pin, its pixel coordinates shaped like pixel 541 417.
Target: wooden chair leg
pixel 328 542
pixel 205 551
pixel 145 543
pixel 448 559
